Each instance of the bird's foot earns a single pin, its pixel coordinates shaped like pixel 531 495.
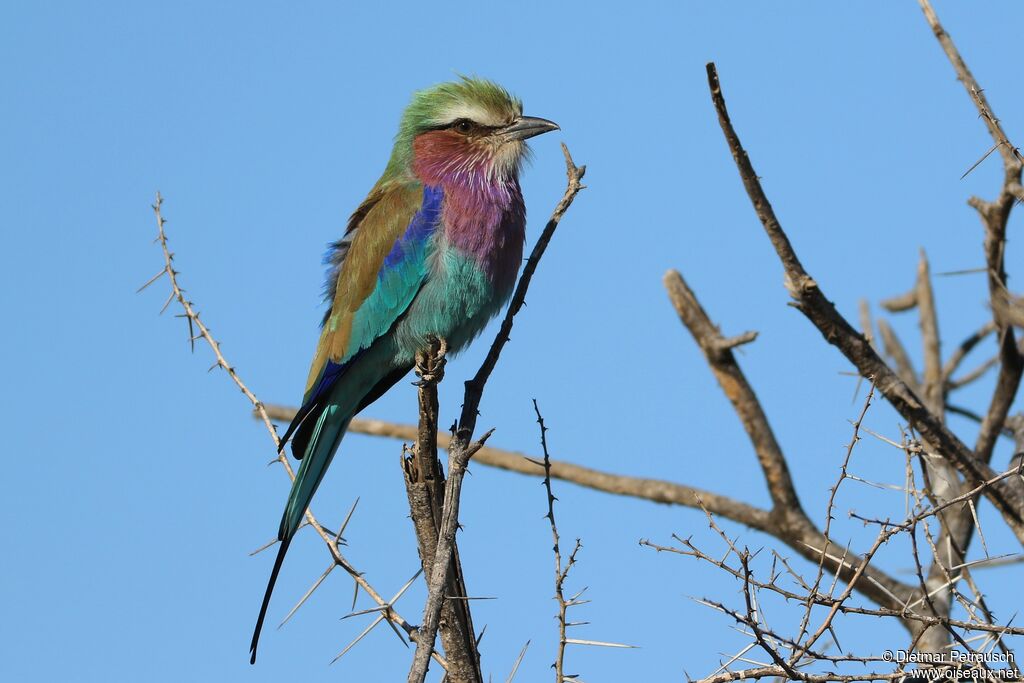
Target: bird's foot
pixel 430 362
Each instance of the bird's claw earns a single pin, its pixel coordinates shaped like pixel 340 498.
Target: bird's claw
pixel 430 362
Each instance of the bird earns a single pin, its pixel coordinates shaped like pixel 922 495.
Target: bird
pixel 431 253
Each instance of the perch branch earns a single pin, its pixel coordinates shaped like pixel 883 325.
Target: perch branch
pixel 424 485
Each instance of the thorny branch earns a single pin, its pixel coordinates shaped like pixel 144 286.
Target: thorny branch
pixel 331 540
pixel 560 574
pixel 562 570
pixel 459 454
pixel 942 481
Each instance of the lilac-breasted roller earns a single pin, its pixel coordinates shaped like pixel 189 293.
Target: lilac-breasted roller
pixel 433 251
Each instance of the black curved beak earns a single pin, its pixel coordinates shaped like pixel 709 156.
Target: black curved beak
pixel 527 127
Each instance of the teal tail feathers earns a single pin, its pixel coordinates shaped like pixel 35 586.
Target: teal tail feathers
pixel 318 430
pixel 323 443
pixel 266 598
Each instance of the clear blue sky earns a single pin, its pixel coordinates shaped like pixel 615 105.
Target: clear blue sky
pixel 135 485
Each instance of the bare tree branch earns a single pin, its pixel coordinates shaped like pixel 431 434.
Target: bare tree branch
pixel 655 490
pixel 895 350
pixel 810 300
pixel 964 348
pixel 1012 158
pixel 424 484
pixel 934 394
pixel 994 216
pixel 739 392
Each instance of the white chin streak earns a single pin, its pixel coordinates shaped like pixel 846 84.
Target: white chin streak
pixel 508 159
pixel 495 163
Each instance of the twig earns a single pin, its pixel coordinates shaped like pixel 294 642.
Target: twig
pixel 994 216
pixel 934 394
pixel 753 622
pixel 560 574
pixel 895 350
pixel 964 348
pixel 826 600
pixel 830 507
pixel 515 665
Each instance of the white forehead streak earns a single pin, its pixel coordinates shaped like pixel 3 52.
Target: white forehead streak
pixel 477 114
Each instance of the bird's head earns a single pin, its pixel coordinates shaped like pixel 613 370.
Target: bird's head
pixel 471 130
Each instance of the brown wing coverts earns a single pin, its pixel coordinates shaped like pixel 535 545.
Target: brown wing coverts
pixel 378 223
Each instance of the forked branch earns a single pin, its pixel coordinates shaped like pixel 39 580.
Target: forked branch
pixel 1006 496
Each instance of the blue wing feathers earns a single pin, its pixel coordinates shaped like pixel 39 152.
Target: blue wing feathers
pixel 400 276
pixel 399 279
pixel 420 228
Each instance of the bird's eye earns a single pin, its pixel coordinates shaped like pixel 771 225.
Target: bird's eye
pixel 463 125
